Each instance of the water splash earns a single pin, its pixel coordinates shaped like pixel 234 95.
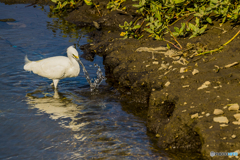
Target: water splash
pixel 94 83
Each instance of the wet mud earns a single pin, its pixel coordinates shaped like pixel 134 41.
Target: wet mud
pixel 179 104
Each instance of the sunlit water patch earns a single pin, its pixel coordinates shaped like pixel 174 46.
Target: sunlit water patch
pixel 34 124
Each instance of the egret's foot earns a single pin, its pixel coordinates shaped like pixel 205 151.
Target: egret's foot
pixel 56 95
pixel 51 84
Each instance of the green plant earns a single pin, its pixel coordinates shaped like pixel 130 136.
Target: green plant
pixel 115 5
pixel 61 4
pixel 130 32
pixel 160 15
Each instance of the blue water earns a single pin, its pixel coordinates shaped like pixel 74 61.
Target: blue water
pixel 79 124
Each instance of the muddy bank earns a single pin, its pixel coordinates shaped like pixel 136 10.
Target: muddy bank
pixel 181 91
pixel 180 111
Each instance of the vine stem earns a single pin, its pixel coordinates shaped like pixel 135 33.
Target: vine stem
pixel 215 50
pixel 171 44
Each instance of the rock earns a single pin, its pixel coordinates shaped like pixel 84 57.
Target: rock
pixel 237 116
pixel 194 116
pixel 155 62
pixel 236 122
pixel 182 76
pixel 184 110
pixel 218 111
pixel 232 64
pixel 186 86
pixel 207 114
pixel 223 125
pixel 234 136
pixel 221 119
pixel 195 71
pixel 183 69
pixel 204 85
pixel 234 107
pixel 167 84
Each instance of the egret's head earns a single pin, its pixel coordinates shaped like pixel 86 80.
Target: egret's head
pixel 72 52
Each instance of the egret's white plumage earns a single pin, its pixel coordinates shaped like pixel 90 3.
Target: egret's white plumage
pixel 56 68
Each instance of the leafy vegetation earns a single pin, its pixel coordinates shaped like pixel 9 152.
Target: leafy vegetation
pixel 160 15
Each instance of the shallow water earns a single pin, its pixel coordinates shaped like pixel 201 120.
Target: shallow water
pixel 78 125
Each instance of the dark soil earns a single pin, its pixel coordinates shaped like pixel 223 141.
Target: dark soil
pixel 137 76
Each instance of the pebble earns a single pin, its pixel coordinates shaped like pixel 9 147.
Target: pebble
pixel 204 85
pixel 237 116
pixel 155 62
pixel 224 107
pixel 203 112
pixel 236 122
pixel 184 110
pixel 210 127
pixel 207 114
pixel 195 71
pixel 167 84
pixel 200 116
pixel 192 106
pixel 223 125
pixel 194 116
pixel 182 76
pixel 218 111
pixel 147 65
pixel 186 86
pixel 224 138
pixel 234 136
pixel 183 69
pixel 234 107
pixel 232 64
pixel 220 119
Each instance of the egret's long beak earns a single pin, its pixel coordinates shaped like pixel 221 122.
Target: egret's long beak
pixel 76 57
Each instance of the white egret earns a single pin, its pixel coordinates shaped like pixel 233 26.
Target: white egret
pixel 56 68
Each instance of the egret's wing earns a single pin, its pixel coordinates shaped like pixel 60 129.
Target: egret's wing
pixel 52 68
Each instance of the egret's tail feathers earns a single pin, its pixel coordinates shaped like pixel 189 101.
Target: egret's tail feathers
pixel 27 65
pixel 27 60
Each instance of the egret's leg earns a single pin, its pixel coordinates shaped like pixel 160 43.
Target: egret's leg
pixel 55 82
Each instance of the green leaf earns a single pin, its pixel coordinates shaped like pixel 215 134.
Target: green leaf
pixel 55 1
pixel 176 29
pixel 191 9
pixel 175 34
pixel 209 20
pixel 148 30
pixel 137 26
pixel 178 1
pixel 88 2
pixel 191 26
pixel 136 5
pixel 202 29
pixel 182 28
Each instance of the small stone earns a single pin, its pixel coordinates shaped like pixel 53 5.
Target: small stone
pixel 210 127
pixel 218 111
pixel 234 136
pixel 192 106
pixel 182 76
pixel 207 114
pixel 207 145
pixel 237 116
pixel 157 135
pixel 236 122
pixel 203 112
pixel 220 119
pixel 147 65
pixel 204 85
pixel 223 125
pixel 184 103
pixel 155 62
pixel 183 69
pixel 184 110
pixel 167 84
pixel 234 107
pixel 207 91
pixel 186 86
pixel 195 71
pixel 200 116
pixel 232 64
pixel 225 107
pixel 194 116
pixel 224 138
pixel 153 89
